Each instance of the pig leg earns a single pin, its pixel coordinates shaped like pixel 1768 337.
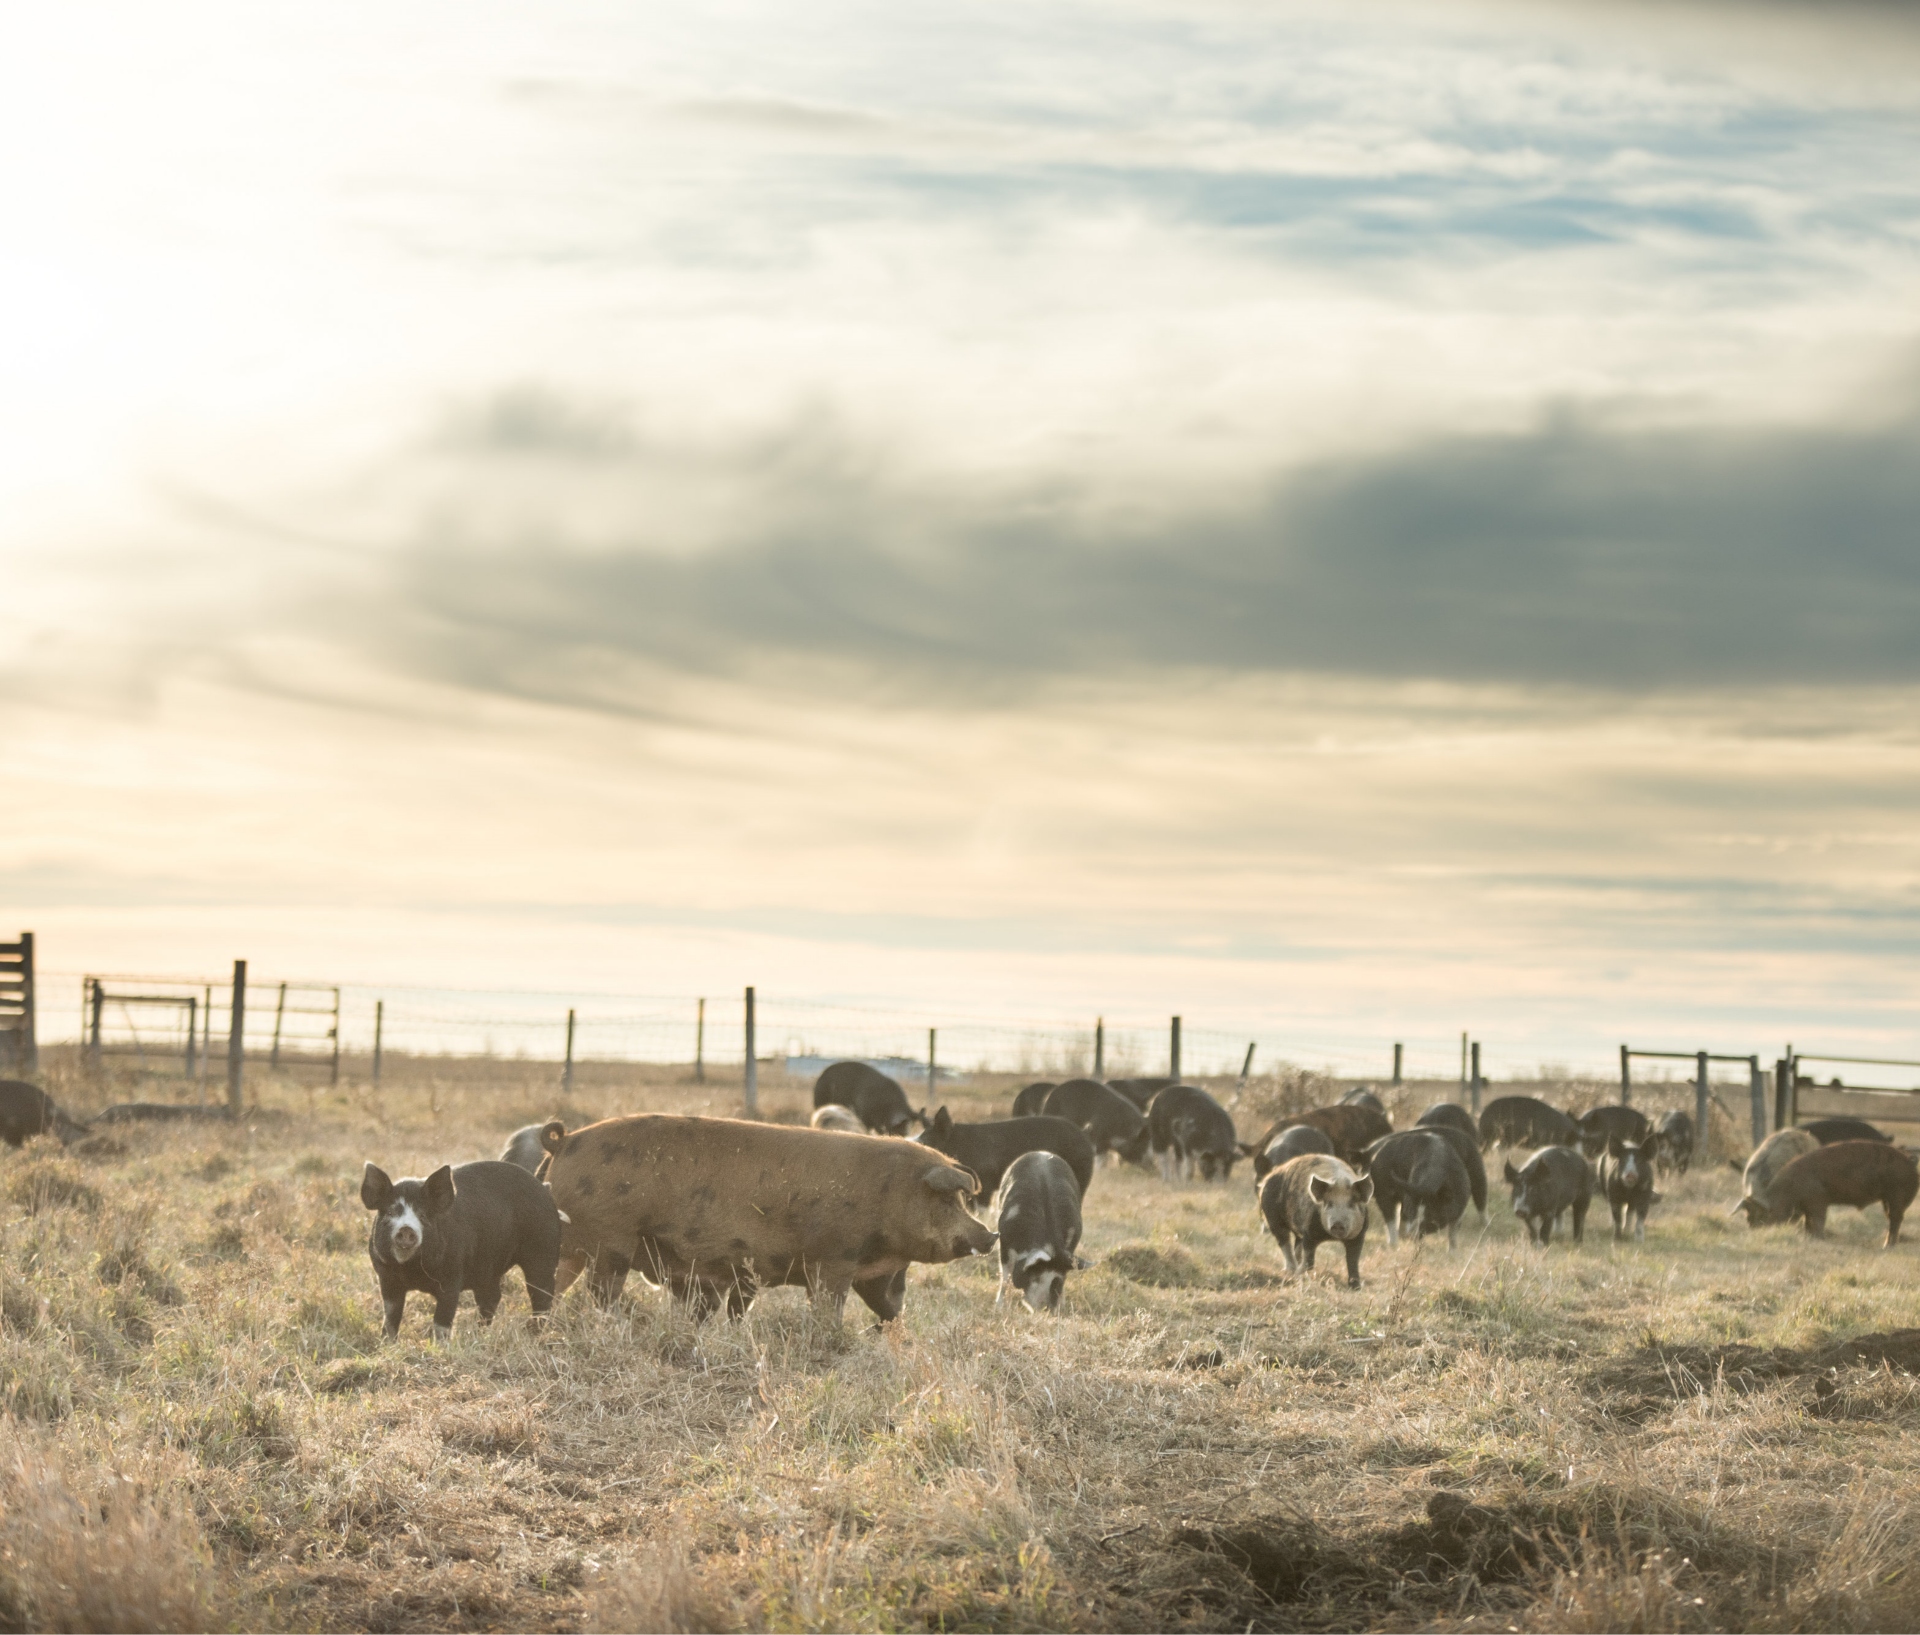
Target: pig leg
pixel 1390 1210
pixel 1580 1220
pixel 1640 1227
pixel 487 1297
pixel 610 1269
pixel 539 1273
pixel 1894 1214
pixel 1546 1229
pixel 568 1269
pixel 393 1298
pixel 1816 1220
pixel 1353 1246
pixel 886 1295
pixel 445 1304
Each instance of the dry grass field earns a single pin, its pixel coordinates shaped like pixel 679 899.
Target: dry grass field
pixel 1718 1430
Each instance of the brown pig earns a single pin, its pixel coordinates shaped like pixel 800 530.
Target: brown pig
pixel 718 1208
pixel 1849 1173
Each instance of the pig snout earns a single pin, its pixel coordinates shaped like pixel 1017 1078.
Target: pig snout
pixel 1043 1293
pixel 404 1232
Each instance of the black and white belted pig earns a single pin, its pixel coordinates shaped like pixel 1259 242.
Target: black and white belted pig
pixel 1038 1218
pixel 1314 1199
pixel 1626 1176
pixel 460 1228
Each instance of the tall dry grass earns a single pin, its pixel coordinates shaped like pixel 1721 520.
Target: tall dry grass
pixel 206 1428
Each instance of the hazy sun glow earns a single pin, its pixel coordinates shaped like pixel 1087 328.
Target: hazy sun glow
pixel 1361 521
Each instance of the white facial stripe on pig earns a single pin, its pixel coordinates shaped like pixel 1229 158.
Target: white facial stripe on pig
pixel 401 1218
pixel 1027 1259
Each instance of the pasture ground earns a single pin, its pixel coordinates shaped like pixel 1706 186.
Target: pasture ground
pixel 1718 1430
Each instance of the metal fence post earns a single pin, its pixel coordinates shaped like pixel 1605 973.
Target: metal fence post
pixel 700 1044
pixel 1757 1098
pixel 236 1037
pixel 279 1016
pixel 752 1085
pixel 1174 1051
pixel 1396 1063
pixel 1100 1047
pixel 379 1028
pixel 1700 1093
pixel 1626 1077
pixel 1783 1092
pixel 933 1072
pixel 1246 1067
pixel 1477 1081
pixel 566 1073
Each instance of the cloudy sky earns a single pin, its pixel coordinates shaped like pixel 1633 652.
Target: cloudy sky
pixel 1366 520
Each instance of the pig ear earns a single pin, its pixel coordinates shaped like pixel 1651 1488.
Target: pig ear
pixel 376 1186
pixel 439 1193
pixel 552 1133
pixel 1318 1187
pixel 942 1122
pixel 945 1178
pixel 1363 1189
pixel 1513 1175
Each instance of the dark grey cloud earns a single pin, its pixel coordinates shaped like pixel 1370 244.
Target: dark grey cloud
pixel 1579 553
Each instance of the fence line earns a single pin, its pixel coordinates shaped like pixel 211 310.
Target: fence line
pixel 419 1020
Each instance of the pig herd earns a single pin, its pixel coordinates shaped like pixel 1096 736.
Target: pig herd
pixel 716 1209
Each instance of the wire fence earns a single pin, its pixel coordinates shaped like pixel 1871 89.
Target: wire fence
pixel 175 1024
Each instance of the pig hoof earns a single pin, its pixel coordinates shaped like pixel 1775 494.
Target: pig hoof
pixel 442 1334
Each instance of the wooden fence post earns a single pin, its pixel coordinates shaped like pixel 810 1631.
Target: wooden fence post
pixel 379 1028
pixel 1626 1077
pixel 566 1073
pixel 932 1071
pixel 193 1031
pixel 1100 1047
pixel 752 1086
pixel 279 1015
pixel 1396 1063
pixel 96 1001
pixel 1757 1097
pixel 1175 1049
pixel 700 1044
pixel 1465 1086
pixel 236 1037
pixel 1476 1080
pixel 1700 1094
pixel 1783 1092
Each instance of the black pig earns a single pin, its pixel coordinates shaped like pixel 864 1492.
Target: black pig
pixel 1291 1142
pixel 1190 1130
pixel 1829 1130
pixel 989 1149
pixel 1450 1114
pixel 1032 1100
pixel 1523 1121
pixel 878 1099
pixel 26 1110
pixel 460 1229
pixel 1419 1183
pixel 1554 1180
pixel 1113 1124
pixel 1673 1141
pixel 1600 1125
